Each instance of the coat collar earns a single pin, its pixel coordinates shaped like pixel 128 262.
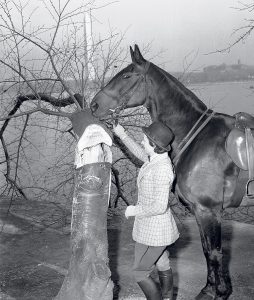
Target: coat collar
pixel 154 159
pixel 157 156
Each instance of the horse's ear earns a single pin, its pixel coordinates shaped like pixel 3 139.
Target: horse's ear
pixel 132 54
pixel 136 56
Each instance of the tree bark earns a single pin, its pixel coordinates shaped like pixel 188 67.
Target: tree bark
pixel 88 276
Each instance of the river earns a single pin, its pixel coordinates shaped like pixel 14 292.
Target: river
pixel 226 97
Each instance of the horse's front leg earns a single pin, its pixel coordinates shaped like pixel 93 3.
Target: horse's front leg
pixel 209 223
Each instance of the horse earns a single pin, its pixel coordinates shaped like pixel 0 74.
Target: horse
pixel 207 179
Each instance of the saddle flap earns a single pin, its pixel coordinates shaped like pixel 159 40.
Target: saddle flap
pixel 236 148
pixel 240 147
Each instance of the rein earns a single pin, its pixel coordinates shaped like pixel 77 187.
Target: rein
pixel 176 158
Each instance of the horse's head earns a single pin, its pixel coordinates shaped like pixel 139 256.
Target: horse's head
pixel 126 89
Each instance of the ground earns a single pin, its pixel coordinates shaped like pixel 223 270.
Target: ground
pixel 34 256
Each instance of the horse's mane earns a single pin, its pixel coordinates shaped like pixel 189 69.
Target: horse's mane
pixel 183 92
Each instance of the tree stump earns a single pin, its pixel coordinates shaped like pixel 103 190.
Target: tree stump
pixel 88 276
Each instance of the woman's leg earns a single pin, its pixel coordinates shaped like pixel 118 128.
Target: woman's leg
pixel 163 262
pixel 144 263
pixel 165 275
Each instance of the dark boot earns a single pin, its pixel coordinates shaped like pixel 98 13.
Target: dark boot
pixel 166 281
pixel 150 289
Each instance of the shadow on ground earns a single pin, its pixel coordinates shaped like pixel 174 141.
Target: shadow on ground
pixel 34 260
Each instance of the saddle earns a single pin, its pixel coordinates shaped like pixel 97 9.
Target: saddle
pixel 240 147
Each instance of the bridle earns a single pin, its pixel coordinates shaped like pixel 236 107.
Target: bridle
pixel 128 94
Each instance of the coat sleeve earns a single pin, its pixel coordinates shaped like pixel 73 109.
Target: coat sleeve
pixel 135 148
pixel 162 179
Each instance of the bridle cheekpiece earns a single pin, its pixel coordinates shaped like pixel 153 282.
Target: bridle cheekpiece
pixel 128 94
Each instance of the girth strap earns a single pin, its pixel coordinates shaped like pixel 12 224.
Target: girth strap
pixel 192 129
pixel 193 136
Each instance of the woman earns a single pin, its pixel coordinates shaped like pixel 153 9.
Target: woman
pixel 154 226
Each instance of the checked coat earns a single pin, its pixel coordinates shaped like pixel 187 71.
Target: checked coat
pixel 154 223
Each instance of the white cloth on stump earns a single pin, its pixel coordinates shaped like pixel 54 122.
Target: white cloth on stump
pixel 93 146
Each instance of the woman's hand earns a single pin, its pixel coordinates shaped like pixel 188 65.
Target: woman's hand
pixel 130 211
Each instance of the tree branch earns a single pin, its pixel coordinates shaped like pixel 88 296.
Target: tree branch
pixel 119 190
pixel 44 97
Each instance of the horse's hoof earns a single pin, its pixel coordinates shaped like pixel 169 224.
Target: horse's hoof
pixel 204 296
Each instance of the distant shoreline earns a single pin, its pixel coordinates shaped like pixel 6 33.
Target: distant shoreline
pixel 221 82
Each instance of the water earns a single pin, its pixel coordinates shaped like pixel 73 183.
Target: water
pixel 227 97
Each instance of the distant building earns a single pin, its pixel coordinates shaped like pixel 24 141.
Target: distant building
pixel 222 72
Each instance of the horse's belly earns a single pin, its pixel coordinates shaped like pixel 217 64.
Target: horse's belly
pixel 209 185
pixel 210 181
pixel 203 183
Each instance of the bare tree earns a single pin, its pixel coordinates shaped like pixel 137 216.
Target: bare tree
pixel 242 33
pixel 38 62
pixel 44 80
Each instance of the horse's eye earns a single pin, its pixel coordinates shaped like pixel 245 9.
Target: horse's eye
pixel 125 76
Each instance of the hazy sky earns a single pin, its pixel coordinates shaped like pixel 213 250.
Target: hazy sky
pixel 181 28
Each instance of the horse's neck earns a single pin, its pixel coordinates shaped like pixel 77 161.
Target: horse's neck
pixel 174 104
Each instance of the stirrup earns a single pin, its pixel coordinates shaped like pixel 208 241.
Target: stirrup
pixel 250 189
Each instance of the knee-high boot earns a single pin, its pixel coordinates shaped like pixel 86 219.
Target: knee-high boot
pixel 150 289
pixel 166 281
